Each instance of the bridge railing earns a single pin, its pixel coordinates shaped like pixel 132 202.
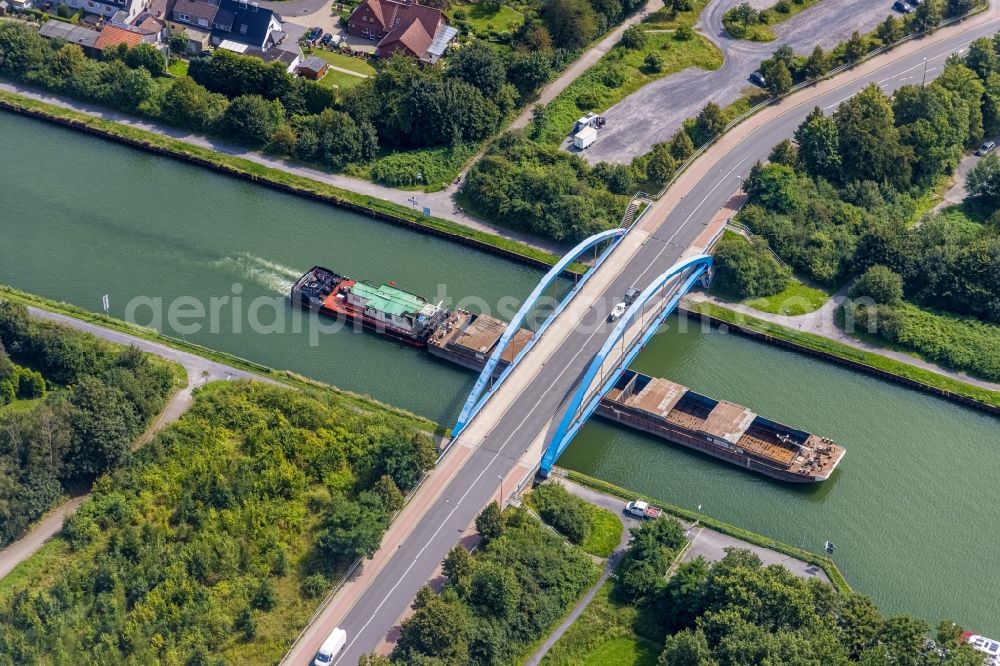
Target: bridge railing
pixel 674 284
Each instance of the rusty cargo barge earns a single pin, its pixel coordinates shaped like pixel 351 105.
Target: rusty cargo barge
pixel 720 429
pixel 656 406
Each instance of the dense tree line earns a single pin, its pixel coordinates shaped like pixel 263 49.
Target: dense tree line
pixel 219 535
pixel 747 269
pixel 736 611
pixel 521 580
pixel 565 512
pixel 102 397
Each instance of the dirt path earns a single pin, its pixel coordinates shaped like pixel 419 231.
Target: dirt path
pixel 822 322
pixel 200 371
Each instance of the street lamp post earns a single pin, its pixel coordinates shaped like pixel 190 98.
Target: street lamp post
pixel 499 476
pixel 923 81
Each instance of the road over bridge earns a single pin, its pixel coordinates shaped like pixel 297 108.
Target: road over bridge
pixel 514 426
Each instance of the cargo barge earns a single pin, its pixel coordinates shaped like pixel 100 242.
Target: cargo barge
pixel 468 340
pixel 720 429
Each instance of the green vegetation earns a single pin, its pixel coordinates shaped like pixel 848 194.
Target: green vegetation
pixel 260 173
pixel 342 80
pixel 56 440
pixel 498 602
pixel 818 343
pixel 200 549
pixel 485 19
pixel 746 22
pixel 596 530
pixel 747 268
pixel 178 67
pixel 624 69
pixel 795 299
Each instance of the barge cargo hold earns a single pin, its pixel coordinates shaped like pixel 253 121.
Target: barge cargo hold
pixel 383 309
pixel 469 339
pixel 720 429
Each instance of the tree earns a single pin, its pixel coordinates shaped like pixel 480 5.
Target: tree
pixel 528 71
pixel 983 182
pixel 146 56
pixel 479 65
pixel 458 565
pixel 251 119
pixel 785 153
pixel 634 38
pixel 745 14
pixel 185 103
pixel 960 7
pixel 681 146
pixel 571 23
pixel 687 648
pixel 661 165
pixel 349 531
pixel 489 522
pixel 982 57
pixel 390 494
pixel 870 148
pixel 962 81
pixel 747 268
pixel 178 42
pixel 440 627
pixel 818 63
pixel 406 458
pixel 103 426
pixel 819 145
pixel 778 77
pixel 890 30
pixel 927 16
pixel 856 47
pixel 710 123
pixel 494 589
pixel 881 284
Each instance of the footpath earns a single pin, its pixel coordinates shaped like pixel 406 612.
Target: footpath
pixel 200 371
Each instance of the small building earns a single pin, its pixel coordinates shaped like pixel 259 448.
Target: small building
pixel 402 26
pixel 20 5
pixel 85 38
pixel 4 7
pixel 109 9
pixel 314 68
pixel 188 15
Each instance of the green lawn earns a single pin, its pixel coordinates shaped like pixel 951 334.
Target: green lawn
pixel 342 80
pixel 608 633
pixel 622 71
pixel 761 32
pixel 178 67
pixel 796 299
pixel 605 532
pixel 481 19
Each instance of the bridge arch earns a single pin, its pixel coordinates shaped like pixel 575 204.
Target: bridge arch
pixel 480 393
pixel 577 413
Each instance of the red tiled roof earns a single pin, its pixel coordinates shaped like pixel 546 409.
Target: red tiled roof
pixel 413 37
pixel 113 35
pixel 393 15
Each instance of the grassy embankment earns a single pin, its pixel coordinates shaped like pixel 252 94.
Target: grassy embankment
pixel 777 13
pixel 622 71
pixel 796 299
pixel 825 345
pixel 604 528
pixel 259 173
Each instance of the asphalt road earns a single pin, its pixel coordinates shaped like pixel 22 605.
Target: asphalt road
pixel 531 413
pixel 654 112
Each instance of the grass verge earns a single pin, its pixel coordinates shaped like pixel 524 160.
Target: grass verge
pixel 832 572
pixel 860 358
pixel 605 532
pixel 244 168
pixel 606 635
pixel 777 13
pixel 795 299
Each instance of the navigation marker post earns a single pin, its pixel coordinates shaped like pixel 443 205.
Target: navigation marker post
pixel 107 305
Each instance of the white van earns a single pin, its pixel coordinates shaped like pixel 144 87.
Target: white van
pixel 331 647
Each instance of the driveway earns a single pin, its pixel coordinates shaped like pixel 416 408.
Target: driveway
pixel 654 112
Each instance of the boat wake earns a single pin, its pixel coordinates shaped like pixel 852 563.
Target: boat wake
pixel 268 274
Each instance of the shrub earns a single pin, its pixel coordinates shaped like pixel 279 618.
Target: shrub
pixel 314 585
pixel 684 33
pixel 654 63
pixel 881 284
pixel 634 38
pixel 747 268
pixel 587 100
pixel 563 511
pixel 614 77
pixel 63 11
pixel 7 392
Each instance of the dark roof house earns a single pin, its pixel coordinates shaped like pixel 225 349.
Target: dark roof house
pixel 402 26
pixel 200 13
pixel 246 23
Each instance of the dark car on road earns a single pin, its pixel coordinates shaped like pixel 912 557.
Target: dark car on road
pixel 314 34
pixel 902 7
pixel 630 295
pixel 758 79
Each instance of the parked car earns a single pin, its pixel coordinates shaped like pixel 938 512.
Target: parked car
pixel 326 39
pixel 986 148
pixel 758 79
pixel 902 7
pixel 630 295
pixel 617 312
pixel 314 33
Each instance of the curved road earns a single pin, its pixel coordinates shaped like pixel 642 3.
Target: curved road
pixel 674 223
pixel 654 112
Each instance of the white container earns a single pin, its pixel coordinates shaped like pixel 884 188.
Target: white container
pixel 584 138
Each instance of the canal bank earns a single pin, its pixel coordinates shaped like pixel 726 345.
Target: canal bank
pixel 904 507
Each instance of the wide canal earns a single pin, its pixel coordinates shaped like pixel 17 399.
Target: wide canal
pixel 914 508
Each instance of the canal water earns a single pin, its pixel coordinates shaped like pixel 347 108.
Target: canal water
pixel 914 509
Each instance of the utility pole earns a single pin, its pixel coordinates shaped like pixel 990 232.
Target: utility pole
pixel 923 81
pixel 499 476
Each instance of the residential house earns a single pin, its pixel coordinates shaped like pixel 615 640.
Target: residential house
pixel 113 35
pixel 241 22
pixel 85 38
pixel 290 58
pixel 402 26
pixel 194 18
pixel 119 11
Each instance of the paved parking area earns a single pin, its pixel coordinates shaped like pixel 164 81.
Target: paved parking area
pixel 653 113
